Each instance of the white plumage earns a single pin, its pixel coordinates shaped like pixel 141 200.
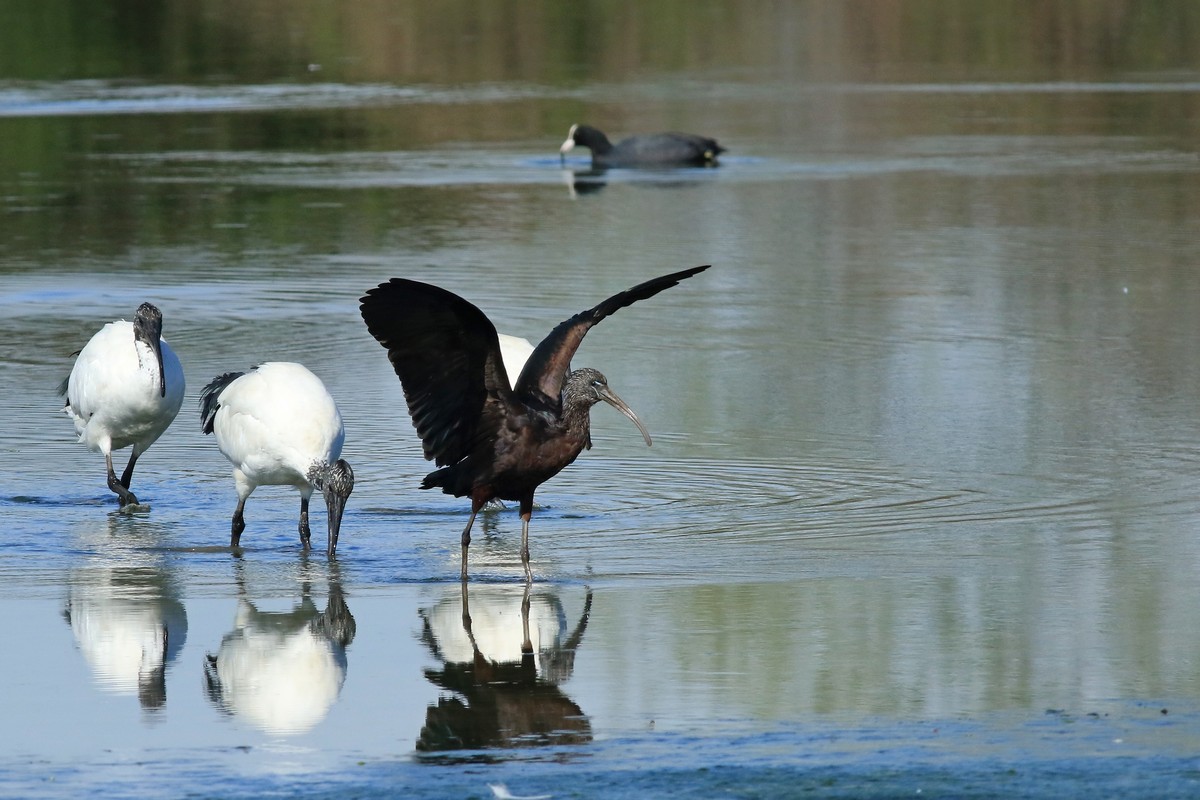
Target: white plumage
pixel 282 671
pixel 502 623
pixel 278 426
pixel 125 389
pixel 129 626
pixel 514 352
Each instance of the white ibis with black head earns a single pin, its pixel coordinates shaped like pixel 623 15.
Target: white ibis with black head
pixel 493 439
pixel 124 391
pixel 278 426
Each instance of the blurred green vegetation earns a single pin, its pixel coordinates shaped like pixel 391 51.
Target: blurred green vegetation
pixel 60 187
pixel 548 41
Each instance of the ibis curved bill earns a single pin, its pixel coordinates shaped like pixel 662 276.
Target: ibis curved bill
pixel 278 425
pixel 491 437
pixel 124 390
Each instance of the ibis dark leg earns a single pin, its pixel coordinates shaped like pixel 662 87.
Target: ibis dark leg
pixel 122 489
pixel 305 533
pixel 239 523
pixel 127 475
pixel 476 504
pixel 526 513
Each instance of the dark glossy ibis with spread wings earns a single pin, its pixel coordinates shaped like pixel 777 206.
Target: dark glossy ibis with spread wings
pixel 491 438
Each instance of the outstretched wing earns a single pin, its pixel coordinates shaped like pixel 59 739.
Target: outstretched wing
pixel 447 356
pixel 542 378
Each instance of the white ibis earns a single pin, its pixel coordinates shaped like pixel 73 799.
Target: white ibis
pixel 493 439
pixel 125 390
pixel 278 426
pixel 647 150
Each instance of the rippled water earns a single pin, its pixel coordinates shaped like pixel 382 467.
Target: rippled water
pixel 919 515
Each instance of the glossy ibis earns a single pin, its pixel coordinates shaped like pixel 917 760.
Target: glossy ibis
pixel 648 150
pixel 493 439
pixel 125 389
pixel 278 426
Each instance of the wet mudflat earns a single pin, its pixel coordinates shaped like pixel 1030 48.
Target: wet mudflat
pixel 921 509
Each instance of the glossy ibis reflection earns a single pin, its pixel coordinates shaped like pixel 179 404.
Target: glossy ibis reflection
pixel 502 658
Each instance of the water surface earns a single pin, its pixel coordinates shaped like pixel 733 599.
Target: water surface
pixel 920 509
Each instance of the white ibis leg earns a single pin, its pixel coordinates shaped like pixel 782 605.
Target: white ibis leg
pixel 127 475
pixel 122 489
pixel 305 532
pixel 239 523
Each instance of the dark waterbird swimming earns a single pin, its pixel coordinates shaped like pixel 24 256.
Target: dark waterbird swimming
pixel 648 150
pixel 493 439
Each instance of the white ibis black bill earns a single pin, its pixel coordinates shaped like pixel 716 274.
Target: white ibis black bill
pixel 124 391
pixel 278 425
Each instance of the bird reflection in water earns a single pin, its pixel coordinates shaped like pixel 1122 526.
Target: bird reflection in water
pixel 282 671
pixel 584 181
pixel 130 625
pixel 503 656
pixel 592 180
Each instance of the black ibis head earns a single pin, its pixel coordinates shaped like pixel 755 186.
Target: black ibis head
pixel 147 327
pixel 586 386
pixel 335 482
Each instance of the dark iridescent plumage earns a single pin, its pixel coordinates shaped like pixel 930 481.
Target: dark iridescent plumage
pixel 492 438
pixel 647 150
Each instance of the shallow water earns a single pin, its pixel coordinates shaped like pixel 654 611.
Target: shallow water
pixel 919 514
